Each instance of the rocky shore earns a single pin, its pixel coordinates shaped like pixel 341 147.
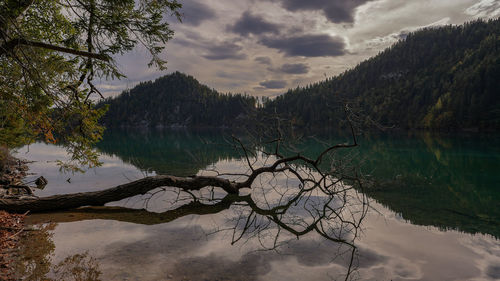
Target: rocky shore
pixel 12 173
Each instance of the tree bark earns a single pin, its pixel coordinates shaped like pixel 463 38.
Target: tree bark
pixel 99 198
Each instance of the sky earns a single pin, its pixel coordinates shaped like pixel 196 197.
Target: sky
pixel 264 47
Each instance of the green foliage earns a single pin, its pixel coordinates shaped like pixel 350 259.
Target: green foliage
pixel 176 100
pixel 437 78
pixel 50 53
pixel 4 158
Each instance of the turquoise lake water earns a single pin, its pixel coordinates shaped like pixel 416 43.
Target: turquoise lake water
pixel 433 214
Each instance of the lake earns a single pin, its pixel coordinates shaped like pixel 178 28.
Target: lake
pixel 432 213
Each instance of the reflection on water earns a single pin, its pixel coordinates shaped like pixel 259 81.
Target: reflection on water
pixel 37 248
pixel 181 153
pixel 426 180
pixel 451 182
pixel 281 208
pixel 35 251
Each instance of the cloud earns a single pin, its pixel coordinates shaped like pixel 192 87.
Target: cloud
pixel 251 24
pixel 336 11
pixel 260 88
pixel 194 13
pixel 484 9
pixel 211 49
pixel 273 84
pixel 320 45
pixel 224 51
pixel 493 271
pixel 224 74
pixel 263 60
pixel 385 41
pixel 377 25
pixel 294 68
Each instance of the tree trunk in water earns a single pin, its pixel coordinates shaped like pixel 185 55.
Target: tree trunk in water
pixel 142 186
pixel 99 198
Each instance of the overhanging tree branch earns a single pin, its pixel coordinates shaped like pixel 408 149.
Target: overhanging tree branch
pixel 12 44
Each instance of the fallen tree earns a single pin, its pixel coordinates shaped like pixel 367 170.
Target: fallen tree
pixel 314 176
pixel 274 226
pixel 144 185
pixel 288 196
pixel 99 198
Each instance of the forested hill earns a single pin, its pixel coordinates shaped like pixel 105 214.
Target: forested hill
pixel 445 78
pixel 176 100
pixel 436 78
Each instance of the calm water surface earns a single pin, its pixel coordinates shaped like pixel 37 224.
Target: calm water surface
pixel 434 214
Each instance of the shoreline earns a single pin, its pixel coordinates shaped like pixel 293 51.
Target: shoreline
pixel 11 228
pixel 13 171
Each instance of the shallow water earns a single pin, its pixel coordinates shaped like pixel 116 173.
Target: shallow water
pixel 434 215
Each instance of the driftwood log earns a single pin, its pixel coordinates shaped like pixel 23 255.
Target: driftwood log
pixel 99 198
pixel 143 186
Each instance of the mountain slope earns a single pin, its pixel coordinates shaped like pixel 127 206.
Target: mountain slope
pixel 175 100
pixel 436 78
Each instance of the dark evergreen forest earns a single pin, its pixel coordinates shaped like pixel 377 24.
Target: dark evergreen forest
pixel 176 100
pixel 441 78
pixel 445 78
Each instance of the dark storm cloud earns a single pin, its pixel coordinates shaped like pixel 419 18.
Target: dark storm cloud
pixel 251 24
pixel 223 74
pixel 224 51
pixel 263 60
pixel 194 13
pixel 320 45
pixel 294 68
pixel 336 11
pixel 211 49
pixel 273 84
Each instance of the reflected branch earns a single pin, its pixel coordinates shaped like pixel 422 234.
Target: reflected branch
pixel 290 196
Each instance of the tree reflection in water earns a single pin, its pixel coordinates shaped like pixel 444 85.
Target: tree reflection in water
pixel 279 197
pixel 35 259
pixel 275 219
